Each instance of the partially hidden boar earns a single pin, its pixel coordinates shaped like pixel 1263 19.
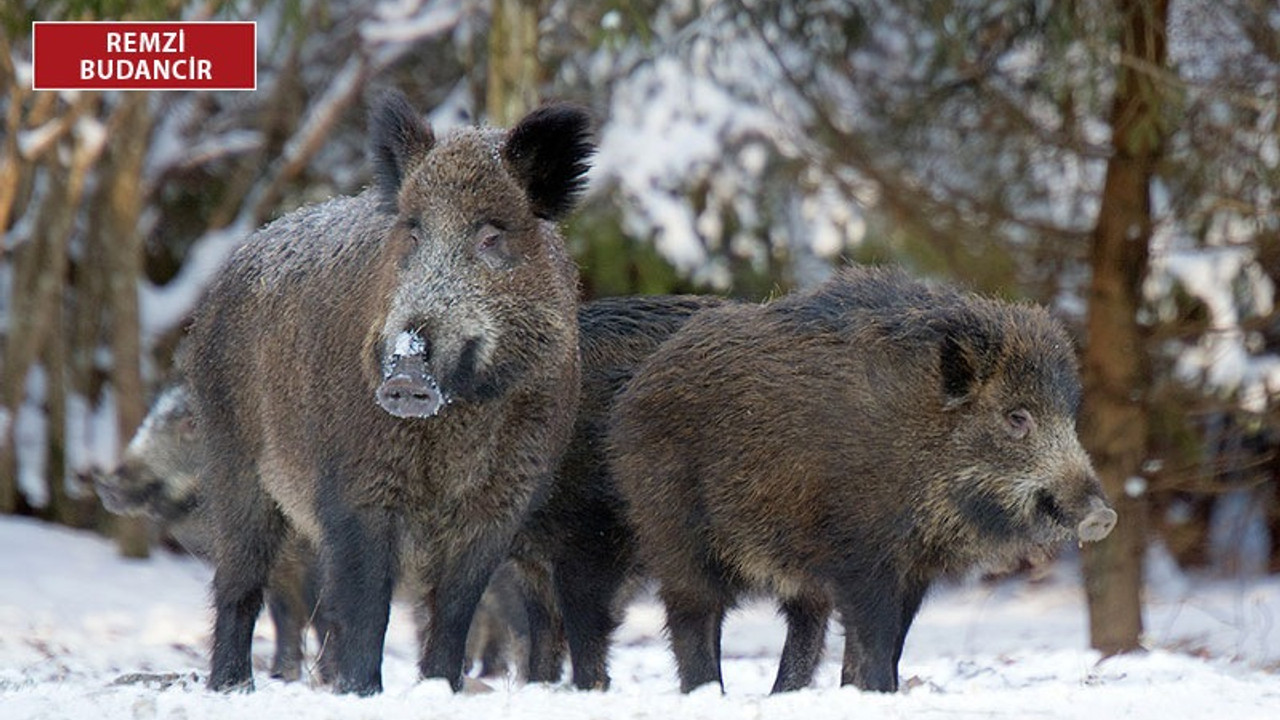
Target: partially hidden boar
pixel 159 472
pixel 159 476
pixel 394 375
pixel 576 551
pixel 845 448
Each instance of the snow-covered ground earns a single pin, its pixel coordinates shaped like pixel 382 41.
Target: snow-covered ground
pixel 75 617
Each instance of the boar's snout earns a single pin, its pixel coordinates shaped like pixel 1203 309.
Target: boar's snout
pixel 1098 521
pixel 110 492
pixel 408 390
pixel 125 490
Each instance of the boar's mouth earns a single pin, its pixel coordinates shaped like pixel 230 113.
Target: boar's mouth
pixel 408 390
pixel 1095 522
pixel 122 494
pixel 116 500
pixel 1047 506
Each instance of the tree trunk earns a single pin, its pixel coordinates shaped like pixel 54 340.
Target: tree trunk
pixel 58 508
pixel 514 71
pixel 1114 423
pixel 130 128
pixel 39 270
pixel 10 175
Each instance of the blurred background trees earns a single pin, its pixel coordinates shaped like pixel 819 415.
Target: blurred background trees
pixel 1116 160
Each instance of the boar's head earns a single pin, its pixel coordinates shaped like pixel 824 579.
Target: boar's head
pixel 158 474
pixel 1011 390
pixel 483 288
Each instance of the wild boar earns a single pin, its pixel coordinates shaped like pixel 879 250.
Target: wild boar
pixel 846 447
pixel 394 375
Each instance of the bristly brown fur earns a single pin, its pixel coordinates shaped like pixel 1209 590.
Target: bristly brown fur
pixel 844 448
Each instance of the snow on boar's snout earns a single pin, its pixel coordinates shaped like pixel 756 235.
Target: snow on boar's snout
pixel 408 389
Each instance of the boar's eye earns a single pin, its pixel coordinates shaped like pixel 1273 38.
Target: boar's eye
pixel 412 234
pixel 187 428
pixel 493 248
pixel 1019 423
pixel 413 228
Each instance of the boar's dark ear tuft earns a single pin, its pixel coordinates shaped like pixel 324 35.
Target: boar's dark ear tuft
pixel 967 359
pixel 548 152
pixel 398 138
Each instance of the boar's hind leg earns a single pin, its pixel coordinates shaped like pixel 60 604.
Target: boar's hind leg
pixel 358 561
pixel 287 664
pixel 806 630
pixel 546 631
pixel 694 621
pixel 876 616
pixel 291 604
pixel 245 554
pixel 456 592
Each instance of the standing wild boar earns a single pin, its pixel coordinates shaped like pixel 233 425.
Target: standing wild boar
pixel 847 447
pixel 395 375
pixel 576 550
pixel 159 476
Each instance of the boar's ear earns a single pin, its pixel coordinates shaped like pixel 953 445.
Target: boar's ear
pixel 398 138
pixel 967 358
pixel 548 152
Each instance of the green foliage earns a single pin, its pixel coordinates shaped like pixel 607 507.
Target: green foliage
pixel 610 263
pixel 987 268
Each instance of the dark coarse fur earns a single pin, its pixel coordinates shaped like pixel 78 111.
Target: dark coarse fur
pixel 455 246
pixel 846 447
pixel 577 551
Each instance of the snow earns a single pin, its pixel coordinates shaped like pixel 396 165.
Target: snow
pixel 1233 288
pixel 406 22
pixel 74 617
pixel 699 143
pixel 409 342
pixel 93 438
pixel 30 430
pixel 33 142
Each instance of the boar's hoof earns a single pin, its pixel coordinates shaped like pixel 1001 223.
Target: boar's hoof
pixel 410 395
pixel 1096 525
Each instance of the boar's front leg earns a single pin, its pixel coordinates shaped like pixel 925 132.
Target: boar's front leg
pixel 455 592
pixel 877 612
pixel 358 561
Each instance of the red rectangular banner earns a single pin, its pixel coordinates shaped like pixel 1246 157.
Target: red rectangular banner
pixel 145 55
